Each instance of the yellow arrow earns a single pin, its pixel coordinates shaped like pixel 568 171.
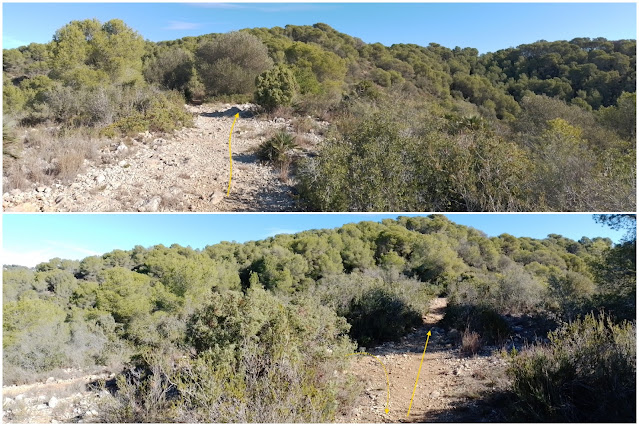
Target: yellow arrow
pixel 418 371
pixel 387 381
pixel 228 191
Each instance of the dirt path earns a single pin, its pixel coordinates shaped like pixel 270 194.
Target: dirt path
pixel 56 400
pixel 187 170
pixel 447 386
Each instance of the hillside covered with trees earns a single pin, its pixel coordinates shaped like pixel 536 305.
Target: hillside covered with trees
pixel 257 331
pixel 543 126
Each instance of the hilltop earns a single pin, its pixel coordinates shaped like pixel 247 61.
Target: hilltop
pixel 261 331
pixel 556 119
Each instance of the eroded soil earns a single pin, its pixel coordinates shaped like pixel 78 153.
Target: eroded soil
pixel 449 386
pixel 187 170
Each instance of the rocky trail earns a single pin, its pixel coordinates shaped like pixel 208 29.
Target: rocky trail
pixel 70 400
pixel 449 385
pixel 187 170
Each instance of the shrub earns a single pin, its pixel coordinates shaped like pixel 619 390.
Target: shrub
pixel 70 153
pixel 172 69
pixel 13 99
pixel 471 343
pixel 621 117
pixel 275 149
pixel 255 359
pixel 360 171
pixel 9 144
pixel 586 374
pixel 381 161
pixel 195 90
pixel 275 87
pixel 518 291
pixel 166 113
pixel 140 110
pixel 378 316
pixel 304 124
pixel 339 291
pixel 484 320
pixel 34 334
pixel 231 62
pixel 571 291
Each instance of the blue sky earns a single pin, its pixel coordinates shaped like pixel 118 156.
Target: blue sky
pixel 485 26
pixel 29 239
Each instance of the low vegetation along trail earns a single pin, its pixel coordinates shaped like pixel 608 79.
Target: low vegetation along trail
pixel 447 390
pixel 187 170
pixel 447 387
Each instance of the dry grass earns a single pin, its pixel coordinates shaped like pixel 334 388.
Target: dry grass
pixel 471 343
pixel 305 142
pixel 48 155
pixel 304 124
pixel 284 169
pixel 14 177
pixel 282 112
pixel 20 412
pixel 171 202
pixel 266 133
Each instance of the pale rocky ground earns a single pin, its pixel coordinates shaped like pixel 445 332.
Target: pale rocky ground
pixel 187 170
pixel 449 385
pixel 72 400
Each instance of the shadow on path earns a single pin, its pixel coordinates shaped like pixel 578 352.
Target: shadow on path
pixel 229 113
pixel 245 158
pixel 488 407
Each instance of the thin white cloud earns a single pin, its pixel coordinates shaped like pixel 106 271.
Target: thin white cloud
pixel 50 249
pixel 27 258
pixel 72 248
pixel 9 42
pixel 182 25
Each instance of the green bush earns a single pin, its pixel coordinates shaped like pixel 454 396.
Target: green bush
pixel 483 320
pixel 339 291
pixel 275 87
pixel 257 359
pixel 230 63
pixel 13 99
pixel 275 150
pixel 34 334
pixel 378 316
pixel 172 69
pixel 195 90
pixel 380 160
pixel 166 112
pixel 149 109
pixel 586 374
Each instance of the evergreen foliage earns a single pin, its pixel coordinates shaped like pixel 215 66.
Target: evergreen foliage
pixel 275 87
pixel 215 334
pixel 543 126
pixel 586 373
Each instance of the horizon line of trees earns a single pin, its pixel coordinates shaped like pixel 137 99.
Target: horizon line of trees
pixel 213 334
pixel 590 73
pixel 547 126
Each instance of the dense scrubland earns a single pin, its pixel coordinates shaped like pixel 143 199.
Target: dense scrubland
pixel 259 331
pixel 543 126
